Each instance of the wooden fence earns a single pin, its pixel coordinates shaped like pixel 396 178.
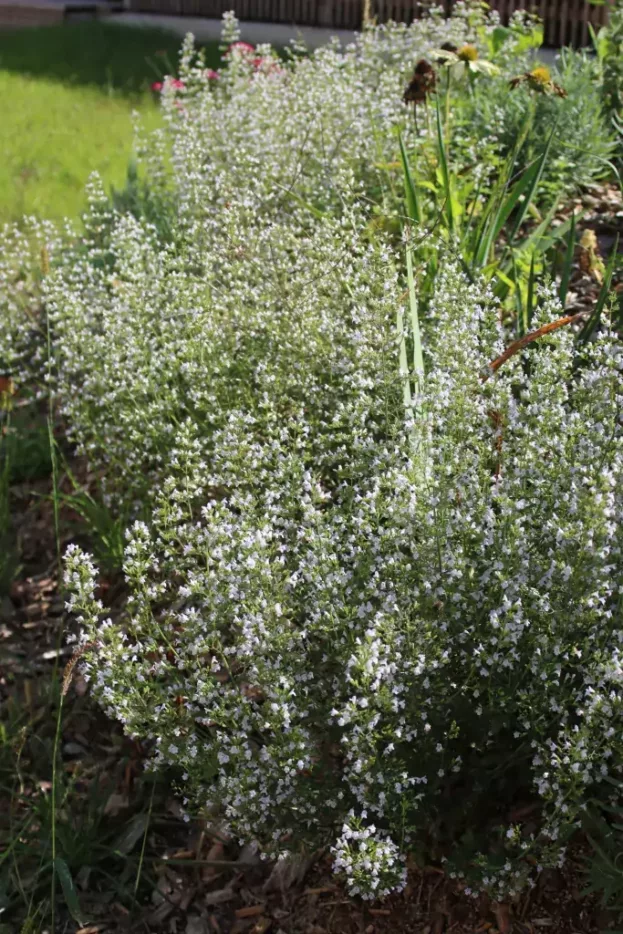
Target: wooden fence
pixel 566 21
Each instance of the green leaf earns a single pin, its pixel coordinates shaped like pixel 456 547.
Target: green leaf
pixel 530 296
pixel 418 357
pixel 498 37
pixel 566 269
pixel 411 198
pixel 402 358
pixel 69 890
pixel 515 194
pixel 499 205
pixel 593 321
pixel 445 172
pixel 533 40
pixel 528 185
pixel 519 307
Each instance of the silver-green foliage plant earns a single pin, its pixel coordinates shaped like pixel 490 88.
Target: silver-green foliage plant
pixel 583 141
pixel 354 629
pixel 270 168
pixel 26 252
pixel 357 593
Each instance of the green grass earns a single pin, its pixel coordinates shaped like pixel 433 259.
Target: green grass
pixel 68 93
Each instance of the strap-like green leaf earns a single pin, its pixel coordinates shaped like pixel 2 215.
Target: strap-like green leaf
pixel 69 889
pixel 411 198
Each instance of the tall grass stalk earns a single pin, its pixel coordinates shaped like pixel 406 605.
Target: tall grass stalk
pixel 45 264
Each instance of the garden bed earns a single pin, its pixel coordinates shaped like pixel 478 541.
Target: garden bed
pixel 311 485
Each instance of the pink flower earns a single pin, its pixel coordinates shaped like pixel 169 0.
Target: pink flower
pixel 157 86
pixel 242 47
pixel 176 83
pixel 211 74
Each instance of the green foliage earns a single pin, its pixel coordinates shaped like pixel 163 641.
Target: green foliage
pixel 27 445
pixel 603 824
pixel 122 60
pixel 608 43
pixel 482 228
pixel 7 559
pixel 583 140
pixel 105 528
pixel 97 831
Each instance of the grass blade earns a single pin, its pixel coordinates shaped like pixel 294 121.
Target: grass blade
pixel 566 269
pixel 418 356
pixel 536 239
pixel 411 198
pixel 593 321
pixel 519 308
pixel 528 186
pixel 530 296
pixel 445 172
pixel 494 215
pixel 69 890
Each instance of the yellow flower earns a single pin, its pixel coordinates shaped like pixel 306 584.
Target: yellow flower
pixel 466 58
pixel 540 80
pixel 468 53
pixel 541 75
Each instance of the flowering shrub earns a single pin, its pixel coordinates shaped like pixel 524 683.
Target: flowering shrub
pixel 290 133
pixel 256 182
pixel 25 255
pixel 368 608
pixel 171 348
pixel 365 621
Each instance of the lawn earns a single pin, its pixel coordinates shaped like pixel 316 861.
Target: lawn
pixel 68 93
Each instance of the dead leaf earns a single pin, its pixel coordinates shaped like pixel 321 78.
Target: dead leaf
pixel 252 692
pixel 261 926
pixel 219 897
pixel 80 685
pixel 115 804
pixel 249 857
pixel 251 911
pixel 216 852
pixel 589 257
pixel 502 914
pixel 196 925
pixel 160 914
pixel 520 813
pixel 289 872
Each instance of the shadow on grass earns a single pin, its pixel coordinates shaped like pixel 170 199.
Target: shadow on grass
pixel 122 58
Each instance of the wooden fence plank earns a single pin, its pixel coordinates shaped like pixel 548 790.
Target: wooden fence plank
pixel 565 21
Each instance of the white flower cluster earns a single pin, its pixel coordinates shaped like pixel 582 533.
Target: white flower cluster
pixel 344 611
pixel 26 252
pixel 265 177
pixel 371 613
pixel 371 862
